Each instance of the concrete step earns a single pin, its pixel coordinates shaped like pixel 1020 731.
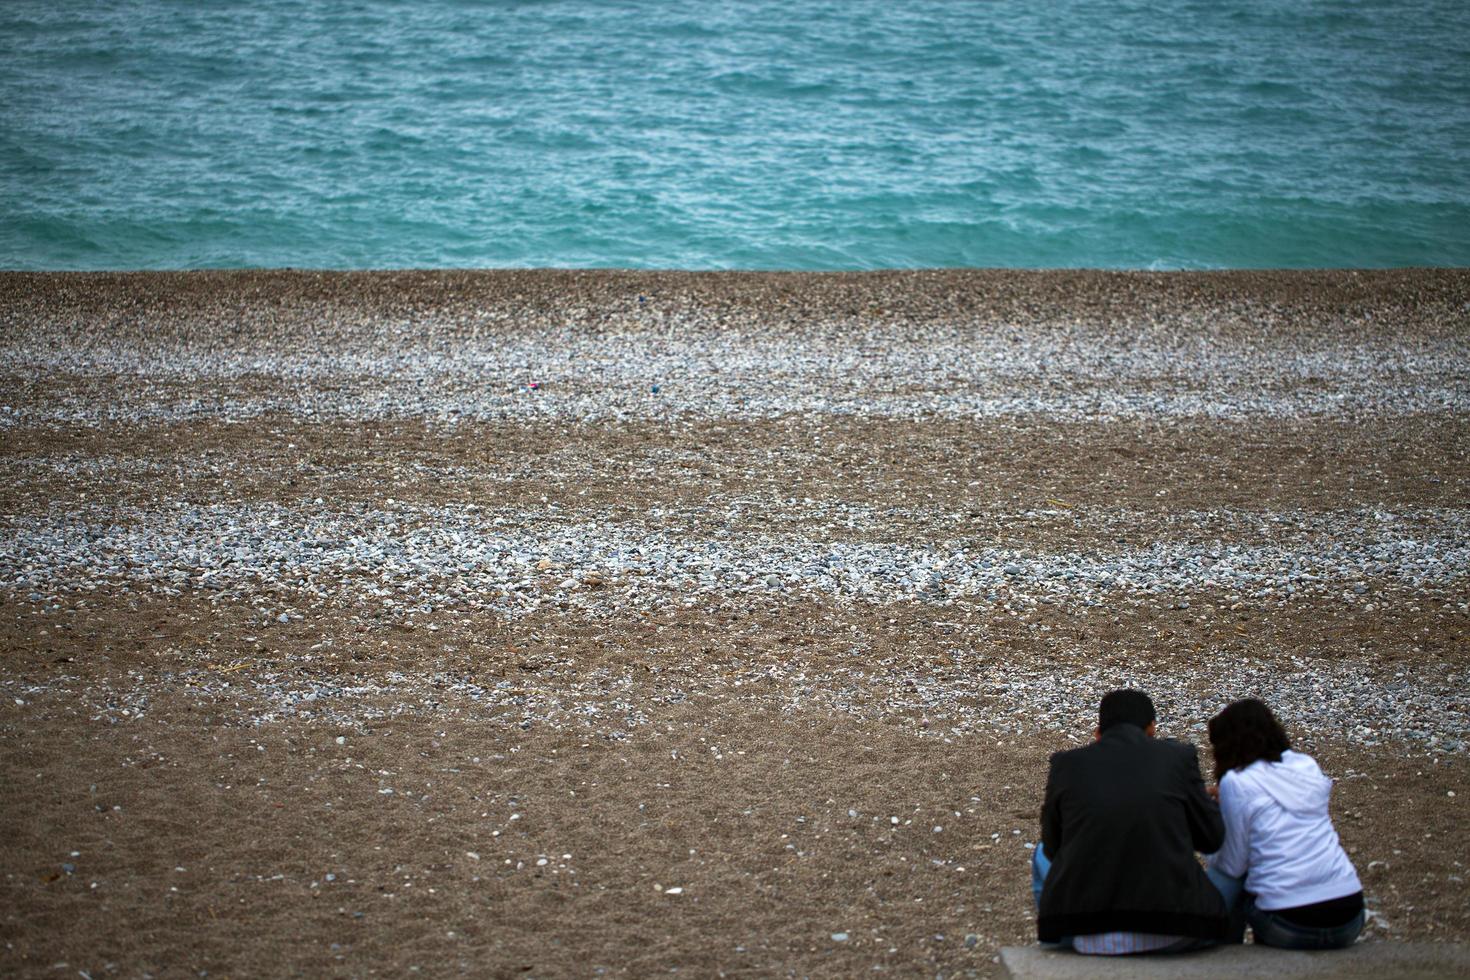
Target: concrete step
pixel 1421 961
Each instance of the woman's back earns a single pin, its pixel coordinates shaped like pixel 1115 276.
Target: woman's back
pixel 1279 835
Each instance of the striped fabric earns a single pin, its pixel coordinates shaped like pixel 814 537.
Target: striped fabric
pixel 1121 943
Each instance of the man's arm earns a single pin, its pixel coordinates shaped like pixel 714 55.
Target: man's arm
pixel 1051 812
pixel 1206 828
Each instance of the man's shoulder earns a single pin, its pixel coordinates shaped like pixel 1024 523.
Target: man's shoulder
pixel 1178 747
pixel 1071 763
pixel 1098 751
pixel 1178 754
pixel 1067 756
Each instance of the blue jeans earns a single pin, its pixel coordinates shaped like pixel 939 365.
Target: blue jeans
pixel 1040 865
pixel 1271 929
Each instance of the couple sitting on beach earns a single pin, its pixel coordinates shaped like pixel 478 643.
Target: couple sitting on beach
pixel 1116 870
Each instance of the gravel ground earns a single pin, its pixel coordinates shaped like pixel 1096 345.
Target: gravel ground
pixel 773 555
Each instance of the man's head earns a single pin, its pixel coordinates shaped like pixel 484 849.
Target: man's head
pixel 1127 707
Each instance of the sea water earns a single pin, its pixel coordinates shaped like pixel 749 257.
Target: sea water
pixel 774 134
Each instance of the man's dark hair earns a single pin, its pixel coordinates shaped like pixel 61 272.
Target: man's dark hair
pixel 1127 706
pixel 1245 732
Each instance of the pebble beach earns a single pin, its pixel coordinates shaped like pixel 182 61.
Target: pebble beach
pixel 727 548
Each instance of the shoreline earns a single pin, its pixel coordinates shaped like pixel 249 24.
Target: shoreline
pixel 1274 283
pixel 978 345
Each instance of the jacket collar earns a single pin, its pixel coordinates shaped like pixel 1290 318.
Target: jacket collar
pixel 1124 732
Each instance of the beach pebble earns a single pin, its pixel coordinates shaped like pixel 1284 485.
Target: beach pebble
pixel 996 588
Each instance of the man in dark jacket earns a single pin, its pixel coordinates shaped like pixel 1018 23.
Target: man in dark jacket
pixel 1120 826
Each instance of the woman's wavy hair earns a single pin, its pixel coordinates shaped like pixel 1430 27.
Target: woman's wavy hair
pixel 1245 732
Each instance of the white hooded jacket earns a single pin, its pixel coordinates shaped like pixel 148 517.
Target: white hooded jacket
pixel 1279 836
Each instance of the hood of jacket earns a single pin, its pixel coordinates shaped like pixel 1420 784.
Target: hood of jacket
pixel 1296 783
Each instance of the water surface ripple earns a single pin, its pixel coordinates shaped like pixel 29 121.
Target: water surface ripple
pixel 805 134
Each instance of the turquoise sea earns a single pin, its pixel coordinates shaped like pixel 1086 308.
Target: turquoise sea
pixel 780 134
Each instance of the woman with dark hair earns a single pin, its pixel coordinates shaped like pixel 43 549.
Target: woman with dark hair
pixel 1282 868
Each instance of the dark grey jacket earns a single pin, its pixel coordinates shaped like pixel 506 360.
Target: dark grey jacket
pixel 1122 820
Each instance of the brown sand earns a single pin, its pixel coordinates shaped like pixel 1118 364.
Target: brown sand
pixel 713 786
